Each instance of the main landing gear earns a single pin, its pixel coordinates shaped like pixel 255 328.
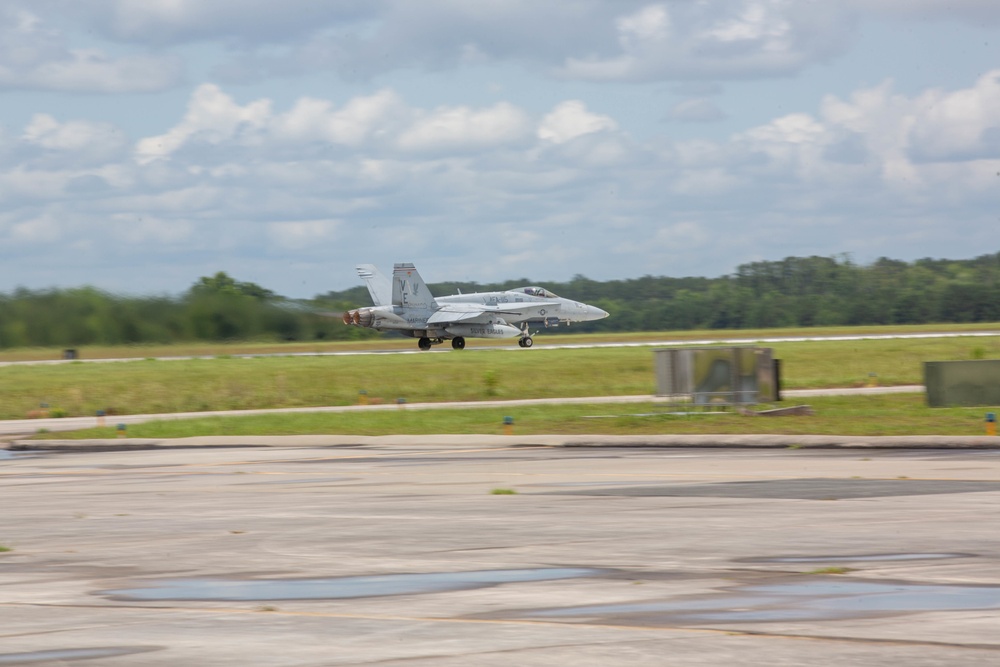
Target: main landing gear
pixel 425 343
pixel 458 342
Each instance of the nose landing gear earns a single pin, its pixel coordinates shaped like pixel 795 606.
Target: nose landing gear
pixel 525 339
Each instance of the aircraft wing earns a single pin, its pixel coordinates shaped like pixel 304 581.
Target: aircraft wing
pixel 474 313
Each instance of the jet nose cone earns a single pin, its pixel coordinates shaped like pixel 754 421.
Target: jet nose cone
pixel 596 313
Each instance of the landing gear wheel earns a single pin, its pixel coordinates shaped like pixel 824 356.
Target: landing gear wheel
pixel 525 342
pixel 458 343
pixel 424 343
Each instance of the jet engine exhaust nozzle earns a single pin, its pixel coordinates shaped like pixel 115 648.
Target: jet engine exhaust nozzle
pixel 360 318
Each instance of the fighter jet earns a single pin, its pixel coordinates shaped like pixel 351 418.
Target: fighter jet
pixel 406 305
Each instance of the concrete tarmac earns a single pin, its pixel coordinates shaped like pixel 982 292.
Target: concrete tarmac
pixel 471 551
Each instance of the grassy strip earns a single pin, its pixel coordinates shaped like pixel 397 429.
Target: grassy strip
pixel 234 383
pixel 890 414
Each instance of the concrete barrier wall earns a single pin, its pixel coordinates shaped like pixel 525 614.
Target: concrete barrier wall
pixel 962 383
pixel 730 375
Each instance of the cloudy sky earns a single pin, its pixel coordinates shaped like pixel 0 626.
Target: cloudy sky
pixel 145 143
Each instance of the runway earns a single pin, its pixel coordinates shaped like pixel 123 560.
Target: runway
pixel 540 345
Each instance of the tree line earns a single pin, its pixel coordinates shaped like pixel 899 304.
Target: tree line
pixel 215 308
pixel 804 292
pixel 796 291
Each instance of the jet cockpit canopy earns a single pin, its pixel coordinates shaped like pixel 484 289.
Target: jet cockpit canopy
pixel 537 291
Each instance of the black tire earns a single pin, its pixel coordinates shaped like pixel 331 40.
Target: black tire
pixel 424 343
pixel 527 341
pixel 458 343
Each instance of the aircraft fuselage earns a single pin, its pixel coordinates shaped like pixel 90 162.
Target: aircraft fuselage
pixel 406 306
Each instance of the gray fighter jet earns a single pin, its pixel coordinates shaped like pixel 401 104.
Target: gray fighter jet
pixel 407 306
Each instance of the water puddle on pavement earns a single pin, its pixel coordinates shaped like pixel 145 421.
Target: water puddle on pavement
pixel 60 655
pixel 338 588
pixel 312 480
pixel 813 600
pixel 7 455
pixel 601 483
pixel 854 558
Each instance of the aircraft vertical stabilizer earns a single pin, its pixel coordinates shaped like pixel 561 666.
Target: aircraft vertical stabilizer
pixel 408 288
pixel 379 286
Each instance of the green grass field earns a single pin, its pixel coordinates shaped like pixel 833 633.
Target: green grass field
pixel 891 414
pixel 229 382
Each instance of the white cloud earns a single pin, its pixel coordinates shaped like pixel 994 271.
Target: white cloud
pixel 935 142
pixel 791 131
pixel 730 39
pixel 695 110
pixel 46 228
pixel 705 182
pixel 600 40
pixel 36 57
pixel 177 21
pixel 361 118
pixel 93 71
pixel 596 40
pixel 144 229
pixel 959 125
pixel 212 117
pixel 976 12
pixel 913 147
pixel 757 22
pixel 464 128
pixel 47 132
pixel 302 234
pixel 649 26
pixel 371 177
pixel 325 170
pixel 22 184
pixel 571 119
pixel 393 180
